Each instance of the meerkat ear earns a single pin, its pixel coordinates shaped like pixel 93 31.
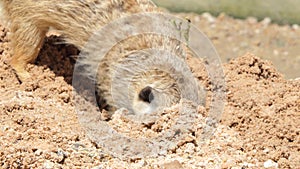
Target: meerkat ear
pixel 146 94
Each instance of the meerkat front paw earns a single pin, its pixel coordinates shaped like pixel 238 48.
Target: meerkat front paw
pixel 20 72
pixel 23 76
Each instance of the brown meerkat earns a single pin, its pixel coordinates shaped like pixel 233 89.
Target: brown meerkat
pixel 76 21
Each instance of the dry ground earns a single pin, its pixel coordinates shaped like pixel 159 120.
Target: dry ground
pixel 259 128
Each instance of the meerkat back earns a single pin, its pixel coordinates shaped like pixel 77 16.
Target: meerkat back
pixel 75 20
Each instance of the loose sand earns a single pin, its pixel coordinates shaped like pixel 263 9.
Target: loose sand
pixel 259 128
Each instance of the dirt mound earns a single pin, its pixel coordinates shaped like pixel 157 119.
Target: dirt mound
pixel 39 127
pixel 265 110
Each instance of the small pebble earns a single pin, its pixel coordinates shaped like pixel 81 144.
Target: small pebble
pixel 48 165
pixel 270 164
pixel 97 167
pixel 251 20
pixel 190 148
pixel 38 152
pixel 295 26
pixel 172 165
pixel 209 17
pixel 266 21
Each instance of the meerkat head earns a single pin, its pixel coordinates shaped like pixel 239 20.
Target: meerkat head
pixel 146 81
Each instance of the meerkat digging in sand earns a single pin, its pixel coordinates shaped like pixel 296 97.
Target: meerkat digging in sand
pixel 76 21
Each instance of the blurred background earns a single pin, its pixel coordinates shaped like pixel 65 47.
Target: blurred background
pixel 268 28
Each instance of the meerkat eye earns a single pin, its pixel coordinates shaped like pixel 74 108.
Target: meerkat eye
pixel 146 94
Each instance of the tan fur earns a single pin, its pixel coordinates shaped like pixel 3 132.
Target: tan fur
pixel 131 67
pixel 76 20
pixel 135 68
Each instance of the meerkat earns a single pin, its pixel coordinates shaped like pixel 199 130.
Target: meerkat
pixel 76 21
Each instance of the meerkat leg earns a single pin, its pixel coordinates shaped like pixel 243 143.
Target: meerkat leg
pixel 26 41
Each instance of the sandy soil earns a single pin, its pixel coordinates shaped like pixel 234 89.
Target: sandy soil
pixel 39 127
pixel 234 37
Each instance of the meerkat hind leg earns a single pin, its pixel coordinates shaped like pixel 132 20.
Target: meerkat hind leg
pixel 26 42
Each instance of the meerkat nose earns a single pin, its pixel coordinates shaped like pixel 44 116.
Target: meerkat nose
pixel 146 94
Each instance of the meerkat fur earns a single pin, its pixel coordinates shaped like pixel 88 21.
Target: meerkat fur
pixel 76 21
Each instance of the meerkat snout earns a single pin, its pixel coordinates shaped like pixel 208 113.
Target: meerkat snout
pixel 146 94
pixel 145 103
pixel 151 99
